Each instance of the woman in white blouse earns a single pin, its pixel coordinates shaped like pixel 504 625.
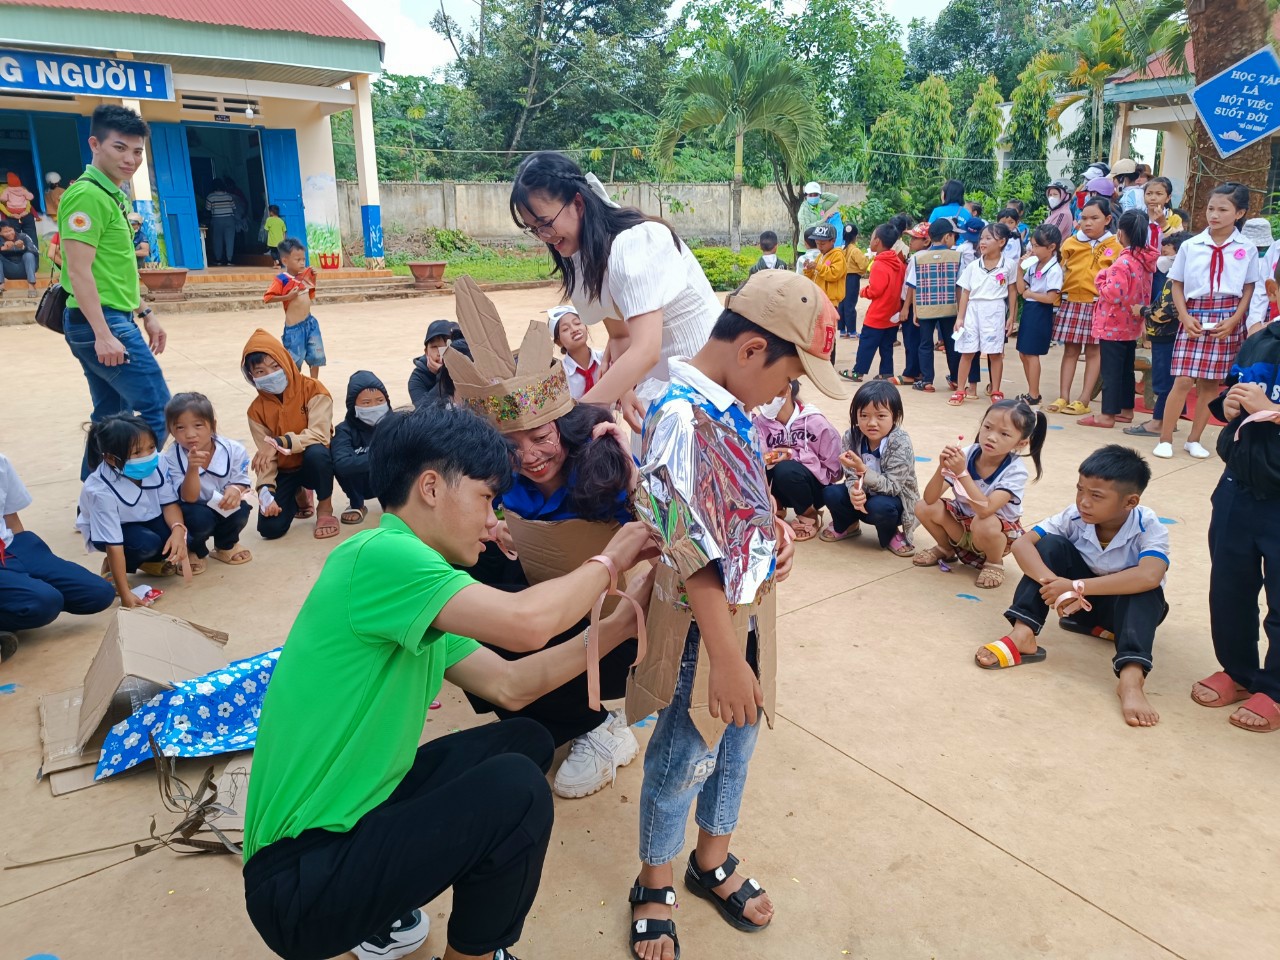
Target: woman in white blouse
pixel 620 266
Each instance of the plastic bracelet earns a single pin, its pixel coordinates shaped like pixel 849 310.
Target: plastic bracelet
pixel 593 630
pixel 1075 593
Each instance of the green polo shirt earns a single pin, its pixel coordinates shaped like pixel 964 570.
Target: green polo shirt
pixel 348 699
pixel 93 211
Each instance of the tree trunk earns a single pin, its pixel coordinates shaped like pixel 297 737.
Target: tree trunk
pixel 792 195
pixel 1222 32
pixel 735 198
pixel 531 86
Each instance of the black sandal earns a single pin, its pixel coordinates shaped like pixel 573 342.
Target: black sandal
pixel 644 929
pixel 702 883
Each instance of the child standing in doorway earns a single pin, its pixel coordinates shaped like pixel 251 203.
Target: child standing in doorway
pixel 295 288
pixel 275 227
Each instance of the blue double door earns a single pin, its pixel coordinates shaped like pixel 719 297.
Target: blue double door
pixel 179 207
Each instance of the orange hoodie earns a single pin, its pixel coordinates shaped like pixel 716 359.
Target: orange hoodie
pixel 299 417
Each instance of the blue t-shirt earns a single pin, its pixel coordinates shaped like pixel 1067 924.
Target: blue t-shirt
pixel 953 211
pixel 525 500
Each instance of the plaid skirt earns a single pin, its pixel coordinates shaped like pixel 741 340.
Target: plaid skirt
pixel 1202 357
pixel 1073 323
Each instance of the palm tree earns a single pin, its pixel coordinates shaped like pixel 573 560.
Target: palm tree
pixel 739 87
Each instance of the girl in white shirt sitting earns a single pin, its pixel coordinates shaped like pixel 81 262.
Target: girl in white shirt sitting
pixel 128 510
pixel 583 364
pixel 1212 280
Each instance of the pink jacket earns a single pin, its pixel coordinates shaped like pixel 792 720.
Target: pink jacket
pixel 810 437
pixel 1121 285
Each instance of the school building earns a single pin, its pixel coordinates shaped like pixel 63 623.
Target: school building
pixel 238 91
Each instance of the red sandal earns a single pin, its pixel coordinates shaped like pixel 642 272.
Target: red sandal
pixel 1228 691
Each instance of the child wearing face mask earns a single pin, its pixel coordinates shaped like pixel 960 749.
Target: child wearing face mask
pixel 291 421
pixel 801 457
pixel 211 476
pixel 367 403
pixel 128 510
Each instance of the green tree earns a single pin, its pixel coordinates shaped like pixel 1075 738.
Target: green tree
pixel 739 87
pixel 933 135
pixel 978 140
pixel 890 166
pixel 1029 127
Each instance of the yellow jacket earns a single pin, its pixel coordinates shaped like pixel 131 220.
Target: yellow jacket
pixel 1081 262
pixel 828 271
pixel 855 260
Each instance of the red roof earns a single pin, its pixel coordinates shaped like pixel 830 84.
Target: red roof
pixel 1158 66
pixel 325 18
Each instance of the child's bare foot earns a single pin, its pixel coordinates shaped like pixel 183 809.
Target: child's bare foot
pixel 1137 710
pixel 663 947
pixel 1020 634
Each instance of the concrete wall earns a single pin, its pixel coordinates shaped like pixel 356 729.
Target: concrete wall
pixel 481 209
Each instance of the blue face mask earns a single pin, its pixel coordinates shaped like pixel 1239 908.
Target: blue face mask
pixel 139 468
pixel 813 201
pixel 272 382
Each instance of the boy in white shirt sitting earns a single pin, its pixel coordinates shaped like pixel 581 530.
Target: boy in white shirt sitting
pixel 1101 565
pixel 582 364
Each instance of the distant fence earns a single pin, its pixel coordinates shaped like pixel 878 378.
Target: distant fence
pixel 480 210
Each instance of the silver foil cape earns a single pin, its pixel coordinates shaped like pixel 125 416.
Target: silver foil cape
pixel 703 490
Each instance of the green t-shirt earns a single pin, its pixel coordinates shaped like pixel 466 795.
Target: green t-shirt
pixel 93 210
pixel 348 699
pixel 275 231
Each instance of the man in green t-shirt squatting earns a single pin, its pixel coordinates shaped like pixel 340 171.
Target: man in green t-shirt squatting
pixel 350 825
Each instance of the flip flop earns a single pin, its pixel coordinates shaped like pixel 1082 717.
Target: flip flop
pixel 1264 707
pixel 829 535
pixel 326 527
pixel 353 515
pixel 1140 430
pixel 1091 422
pixel 1008 655
pixel 1228 690
pixel 306 506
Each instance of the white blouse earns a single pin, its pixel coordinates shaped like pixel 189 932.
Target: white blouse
pixel 645 273
pixel 108 500
pixel 1239 266
pixel 228 466
pixel 987 285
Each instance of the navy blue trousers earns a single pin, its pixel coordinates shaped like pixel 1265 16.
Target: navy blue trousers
pixel 36 586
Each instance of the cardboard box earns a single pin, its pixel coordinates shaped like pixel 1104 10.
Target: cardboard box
pixel 553 548
pixel 142 653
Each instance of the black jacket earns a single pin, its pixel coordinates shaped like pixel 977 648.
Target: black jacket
pixel 350 446
pixel 422 382
pixel 1254 459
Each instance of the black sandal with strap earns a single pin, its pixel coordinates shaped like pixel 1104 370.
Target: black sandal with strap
pixel 644 929
pixel 702 883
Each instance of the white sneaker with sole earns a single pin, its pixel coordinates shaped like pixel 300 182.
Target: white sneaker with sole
pixel 1163 450
pixel 405 936
pixel 594 759
pixel 1193 447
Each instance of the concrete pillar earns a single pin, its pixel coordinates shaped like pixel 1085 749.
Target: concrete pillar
pixel 143 200
pixel 367 173
pixel 1120 135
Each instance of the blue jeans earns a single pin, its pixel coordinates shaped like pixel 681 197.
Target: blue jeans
pixel 678 767
pixel 875 339
pixel 204 522
pixel 36 586
pixel 1161 374
pixel 22 266
pixel 134 386
pixel 882 511
pixel 144 542
pixel 304 343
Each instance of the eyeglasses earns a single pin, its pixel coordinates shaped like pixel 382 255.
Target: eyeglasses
pixel 544 230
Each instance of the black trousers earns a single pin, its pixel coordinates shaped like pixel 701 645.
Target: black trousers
pixel 473 813
pixel 794 485
pixel 1118 383
pixel 203 522
pixel 1244 544
pixel 1133 618
pixel 849 305
pixel 356 486
pixel 316 473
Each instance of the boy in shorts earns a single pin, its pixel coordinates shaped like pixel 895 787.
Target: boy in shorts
pixel 295 287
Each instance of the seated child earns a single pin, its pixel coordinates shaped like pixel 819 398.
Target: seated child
pixel 427 368
pixel 1100 564
pixel 582 363
pixel 295 287
pixel 367 403
pixel 880 320
pixel 879 463
pixel 979 523
pixel 128 510
pixel 211 475
pixel 35 585
pixel 291 421
pixel 769 259
pixel 801 454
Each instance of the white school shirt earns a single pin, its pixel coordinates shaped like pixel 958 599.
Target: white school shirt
pixel 1012 256
pixel 109 499
pixel 13 497
pixel 1046 279
pixel 1260 306
pixel 229 465
pixel 647 272
pixel 1239 266
pixel 578 382
pixel 872 457
pixel 1010 476
pixel 1143 535
pixel 986 285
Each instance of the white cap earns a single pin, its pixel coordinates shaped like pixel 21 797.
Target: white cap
pixel 1258 232
pixel 813 187
pixel 556 314
pixel 52 177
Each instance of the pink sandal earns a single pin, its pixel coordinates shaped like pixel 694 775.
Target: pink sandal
pixel 1264 707
pixel 1228 691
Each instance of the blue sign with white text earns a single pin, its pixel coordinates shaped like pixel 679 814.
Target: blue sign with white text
pixel 1241 105
pixel 85 76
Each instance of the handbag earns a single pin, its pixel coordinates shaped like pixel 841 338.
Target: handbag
pixel 53 302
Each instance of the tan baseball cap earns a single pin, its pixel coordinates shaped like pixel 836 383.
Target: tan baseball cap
pixel 1124 165
pixel 792 307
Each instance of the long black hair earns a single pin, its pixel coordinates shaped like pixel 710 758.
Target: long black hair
pixel 1032 425
pixel 600 469
pixel 1238 194
pixel 561 179
pixel 115 437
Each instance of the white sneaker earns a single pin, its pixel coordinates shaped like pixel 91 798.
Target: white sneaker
pixel 594 759
pixel 1193 447
pixel 1163 450
pixel 405 936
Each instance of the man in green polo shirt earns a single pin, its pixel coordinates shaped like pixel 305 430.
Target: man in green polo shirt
pixel 350 826
pixel 100 275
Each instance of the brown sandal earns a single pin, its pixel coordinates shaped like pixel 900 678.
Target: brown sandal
pixel 233 557
pixel 991 576
pixel 931 557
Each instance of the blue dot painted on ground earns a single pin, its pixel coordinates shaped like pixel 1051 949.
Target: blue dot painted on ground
pixel 969 596
pixel 42 956
pixel 1054 426
pixel 924 459
pixel 1167 520
pixel 9 687
pixel 647 720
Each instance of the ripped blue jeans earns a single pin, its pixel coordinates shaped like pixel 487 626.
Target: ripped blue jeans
pixel 679 767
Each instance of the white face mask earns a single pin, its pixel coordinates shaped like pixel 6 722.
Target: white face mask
pixel 1164 264
pixel 1055 200
pixel 372 415
pixel 272 382
pixel 771 409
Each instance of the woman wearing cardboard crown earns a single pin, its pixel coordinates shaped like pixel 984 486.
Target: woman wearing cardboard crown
pixel 571 487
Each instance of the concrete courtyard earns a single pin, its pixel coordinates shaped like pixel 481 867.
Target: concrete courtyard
pixel 906 806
